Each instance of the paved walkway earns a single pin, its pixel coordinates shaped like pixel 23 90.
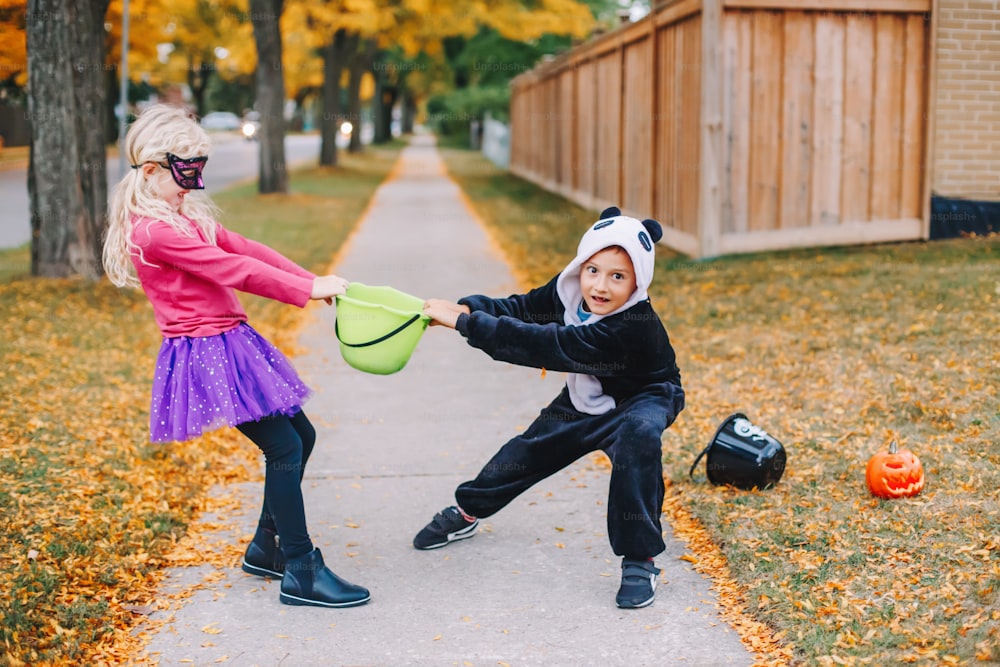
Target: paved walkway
pixel 536 586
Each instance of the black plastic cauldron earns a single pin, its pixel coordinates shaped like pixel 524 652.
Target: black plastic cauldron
pixel 742 455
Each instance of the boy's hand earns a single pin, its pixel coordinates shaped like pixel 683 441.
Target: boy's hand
pixel 444 312
pixel 327 287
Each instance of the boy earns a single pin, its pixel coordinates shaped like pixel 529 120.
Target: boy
pixel 593 321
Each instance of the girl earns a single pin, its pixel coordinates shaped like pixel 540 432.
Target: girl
pixel 213 369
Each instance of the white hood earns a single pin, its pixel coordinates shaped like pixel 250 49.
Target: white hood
pixel 638 239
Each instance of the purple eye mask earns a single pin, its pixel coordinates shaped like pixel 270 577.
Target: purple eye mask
pixel 187 173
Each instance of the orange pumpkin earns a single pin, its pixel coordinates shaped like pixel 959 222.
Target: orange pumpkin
pixel 896 473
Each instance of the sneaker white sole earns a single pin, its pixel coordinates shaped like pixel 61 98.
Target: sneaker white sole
pixel 303 602
pixel 644 603
pixel 465 533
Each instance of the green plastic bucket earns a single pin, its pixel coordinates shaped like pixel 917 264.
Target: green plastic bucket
pixel 378 327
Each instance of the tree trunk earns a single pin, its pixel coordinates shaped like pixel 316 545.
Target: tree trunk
pixel 90 89
pixel 354 108
pixel 361 62
pixel 303 111
pixel 112 79
pixel 409 112
pixel 67 179
pixel 333 65
pixel 198 76
pixel 385 99
pixel 265 15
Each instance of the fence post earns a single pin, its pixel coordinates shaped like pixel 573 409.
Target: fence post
pixel 711 169
pixel 930 111
pixel 654 126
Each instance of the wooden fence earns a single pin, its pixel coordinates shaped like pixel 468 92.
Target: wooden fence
pixel 743 125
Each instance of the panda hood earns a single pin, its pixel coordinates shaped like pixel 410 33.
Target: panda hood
pixel 638 239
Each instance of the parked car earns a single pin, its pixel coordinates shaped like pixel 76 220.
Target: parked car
pixel 221 120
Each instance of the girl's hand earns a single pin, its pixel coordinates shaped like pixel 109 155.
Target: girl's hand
pixel 444 312
pixel 327 287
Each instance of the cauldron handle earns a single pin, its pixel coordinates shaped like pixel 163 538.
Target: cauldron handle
pixel 735 415
pixel 695 464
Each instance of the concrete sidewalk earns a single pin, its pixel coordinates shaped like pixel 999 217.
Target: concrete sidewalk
pixel 536 586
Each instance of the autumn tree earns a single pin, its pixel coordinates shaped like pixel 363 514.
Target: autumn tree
pixel 200 40
pixel 390 70
pixel 342 31
pixel 359 64
pixel 197 31
pixel 434 38
pixel 334 56
pixel 300 56
pixel 265 16
pixel 67 183
pixel 193 42
pixel 313 51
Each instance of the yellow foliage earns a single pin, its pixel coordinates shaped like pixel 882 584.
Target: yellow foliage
pixel 364 17
pixel 303 68
pixel 513 21
pixel 13 46
pixel 169 38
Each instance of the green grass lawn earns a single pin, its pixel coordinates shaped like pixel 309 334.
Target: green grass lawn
pixel 90 509
pixel 835 352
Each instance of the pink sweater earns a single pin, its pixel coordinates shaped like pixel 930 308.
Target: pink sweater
pixel 191 283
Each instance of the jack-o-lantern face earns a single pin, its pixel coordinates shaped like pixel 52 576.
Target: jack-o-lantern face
pixel 896 473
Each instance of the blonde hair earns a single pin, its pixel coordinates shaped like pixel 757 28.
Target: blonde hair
pixel 158 130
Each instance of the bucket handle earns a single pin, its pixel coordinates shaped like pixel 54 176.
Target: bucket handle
pixel 695 464
pixel 386 337
pixel 735 415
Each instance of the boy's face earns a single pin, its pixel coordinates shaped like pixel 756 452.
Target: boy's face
pixel 607 280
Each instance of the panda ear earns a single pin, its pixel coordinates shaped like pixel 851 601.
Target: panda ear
pixel 654 229
pixel 610 212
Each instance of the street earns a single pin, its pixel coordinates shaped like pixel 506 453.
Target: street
pixel 233 161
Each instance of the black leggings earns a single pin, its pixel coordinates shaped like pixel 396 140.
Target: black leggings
pixel 286 443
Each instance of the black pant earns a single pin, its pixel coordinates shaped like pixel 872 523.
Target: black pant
pixel 286 443
pixel 631 437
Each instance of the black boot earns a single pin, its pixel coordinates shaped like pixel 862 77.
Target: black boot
pixel 309 582
pixel 264 557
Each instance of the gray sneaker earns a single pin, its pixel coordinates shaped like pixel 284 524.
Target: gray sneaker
pixel 638 584
pixel 448 525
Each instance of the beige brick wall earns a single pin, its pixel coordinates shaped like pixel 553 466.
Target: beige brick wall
pixel 967 118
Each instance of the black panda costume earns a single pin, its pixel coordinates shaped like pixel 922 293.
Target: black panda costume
pixel 623 391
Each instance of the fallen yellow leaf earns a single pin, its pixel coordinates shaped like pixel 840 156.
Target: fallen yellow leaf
pixel 210 629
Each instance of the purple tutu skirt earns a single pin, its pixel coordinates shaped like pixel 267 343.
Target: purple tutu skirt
pixel 204 383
